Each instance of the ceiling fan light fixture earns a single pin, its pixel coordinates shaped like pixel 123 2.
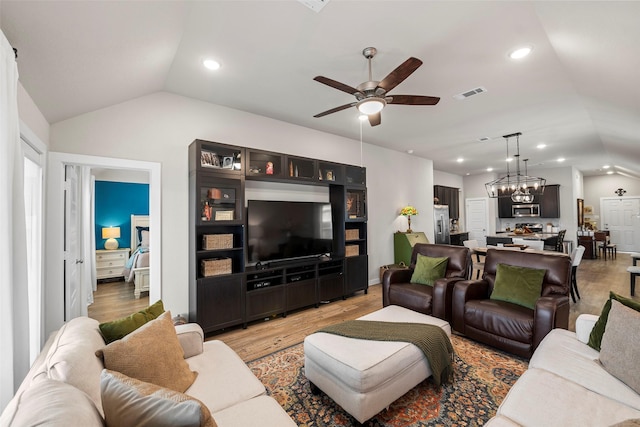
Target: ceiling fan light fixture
pixel 371 106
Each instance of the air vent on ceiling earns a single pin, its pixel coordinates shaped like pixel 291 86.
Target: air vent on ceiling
pixel 484 139
pixel 315 5
pixel 471 92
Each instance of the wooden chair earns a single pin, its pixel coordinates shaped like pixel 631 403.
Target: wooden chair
pixel 478 265
pixel 560 241
pixel 604 245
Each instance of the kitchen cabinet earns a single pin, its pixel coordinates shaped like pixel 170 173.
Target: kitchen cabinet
pixel 457 239
pixel 504 207
pixel 550 202
pixel 448 196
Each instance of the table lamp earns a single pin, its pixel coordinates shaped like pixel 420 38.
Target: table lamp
pixel 408 211
pixel 111 234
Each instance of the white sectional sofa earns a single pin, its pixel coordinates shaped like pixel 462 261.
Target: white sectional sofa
pixel 63 386
pixel 566 385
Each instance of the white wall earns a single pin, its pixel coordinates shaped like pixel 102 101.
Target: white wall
pixel 31 116
pixel 596 187
pixel 120 175
pixel 160 127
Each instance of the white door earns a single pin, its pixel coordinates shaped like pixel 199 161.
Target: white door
pixel 620 217
pixel 477 215
pixel 72 248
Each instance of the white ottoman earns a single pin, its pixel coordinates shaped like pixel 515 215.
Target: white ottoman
pixel 363 376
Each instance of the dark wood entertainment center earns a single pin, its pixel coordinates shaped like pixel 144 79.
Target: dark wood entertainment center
pixel 231 292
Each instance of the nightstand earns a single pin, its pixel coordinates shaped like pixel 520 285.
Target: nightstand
pixel 110 263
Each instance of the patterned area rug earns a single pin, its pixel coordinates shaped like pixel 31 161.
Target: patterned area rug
pixel 482 378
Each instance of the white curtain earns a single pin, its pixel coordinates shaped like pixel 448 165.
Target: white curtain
pixel 87 236
pixel 14 302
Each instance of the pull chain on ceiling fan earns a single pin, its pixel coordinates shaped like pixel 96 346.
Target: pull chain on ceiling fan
pixel 372 96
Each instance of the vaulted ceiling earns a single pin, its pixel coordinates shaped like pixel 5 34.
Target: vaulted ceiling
pixel 577 92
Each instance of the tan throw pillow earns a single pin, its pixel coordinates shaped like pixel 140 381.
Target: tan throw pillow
pixel 131 402
pixel 151 353
pixel 616 355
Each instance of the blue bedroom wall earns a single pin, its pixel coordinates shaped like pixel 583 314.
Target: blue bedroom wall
pixel 114 205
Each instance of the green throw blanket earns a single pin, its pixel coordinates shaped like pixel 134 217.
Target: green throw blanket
pixel 431 339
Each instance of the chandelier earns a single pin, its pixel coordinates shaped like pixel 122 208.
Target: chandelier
pixel 520 188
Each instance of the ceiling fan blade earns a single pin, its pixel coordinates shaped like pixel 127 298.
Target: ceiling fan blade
pixel 398 75
pixel 337 85
pixel 413 100
pixel 375 119
pixel 335 110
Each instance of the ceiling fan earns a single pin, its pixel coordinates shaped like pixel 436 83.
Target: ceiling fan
pixel 372 96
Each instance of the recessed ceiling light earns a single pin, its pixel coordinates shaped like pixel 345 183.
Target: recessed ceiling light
pixel 541 146
pixel 489 169
pixel 468 173
pixel 609 172
pixel 459 160
pixel 520 52
pixel 211 64
pixel 410 151
pixel 606 167
pixel 560 159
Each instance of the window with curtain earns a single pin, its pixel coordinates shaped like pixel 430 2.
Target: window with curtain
pixel 33 218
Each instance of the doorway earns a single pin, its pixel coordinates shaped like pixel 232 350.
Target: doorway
pixel 477 215
pixel 620 217
pixel 55 312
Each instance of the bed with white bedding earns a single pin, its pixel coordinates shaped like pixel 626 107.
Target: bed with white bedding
pixel 137 267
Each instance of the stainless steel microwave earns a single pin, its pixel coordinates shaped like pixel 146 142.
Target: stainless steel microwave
pixel 519 211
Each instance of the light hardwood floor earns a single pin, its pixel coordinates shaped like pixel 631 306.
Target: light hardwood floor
pixel 113 300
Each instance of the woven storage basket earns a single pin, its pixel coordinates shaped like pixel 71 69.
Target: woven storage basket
pixel 216 266
pixel 353 234
pixel 217 241
pixel 351 250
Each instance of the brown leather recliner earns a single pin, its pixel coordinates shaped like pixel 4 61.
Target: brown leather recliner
pixel 507 326
pixel 433 300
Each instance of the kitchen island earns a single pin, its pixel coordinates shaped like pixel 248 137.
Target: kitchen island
pixel 507 237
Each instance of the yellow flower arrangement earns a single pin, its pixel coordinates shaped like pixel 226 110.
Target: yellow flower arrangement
pixel 408 211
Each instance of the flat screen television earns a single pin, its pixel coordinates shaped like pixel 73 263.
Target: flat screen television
pixel 279 230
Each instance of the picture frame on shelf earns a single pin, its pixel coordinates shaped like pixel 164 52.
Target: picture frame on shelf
pixel 329 175
pixel 353 202
pixel 209 159
pixel 227 162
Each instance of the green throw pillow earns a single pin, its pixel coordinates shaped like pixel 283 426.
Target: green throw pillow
pixel 429 269
pixel 519 285
pixel 117 329
pixel 595 338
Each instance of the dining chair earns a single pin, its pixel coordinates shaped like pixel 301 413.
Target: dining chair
pixel 560 241
pixel 478 265
pixel 602 240
pixel 576 258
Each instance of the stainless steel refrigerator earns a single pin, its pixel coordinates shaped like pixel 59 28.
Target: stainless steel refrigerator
pixel 441 223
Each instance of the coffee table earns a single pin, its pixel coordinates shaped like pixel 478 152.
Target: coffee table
pixel 363 376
